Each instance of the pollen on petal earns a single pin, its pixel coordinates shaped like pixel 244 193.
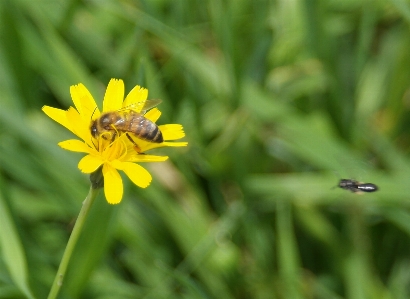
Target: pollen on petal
pixel 113 188
pixel 90 163
pixel 114 95
pixel 137 174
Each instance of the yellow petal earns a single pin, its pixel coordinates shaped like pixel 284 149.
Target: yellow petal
pixel 83 101
pixel 137 174
pixel 146 158
pixel 150 145
pixel 114 95
pixel 136 95
pixel 90 163
pixel 113 188
pixel 172 131
pixel 75 145
pixel 57 115
pixel 174 144
pixel 153 114
pixel 80 127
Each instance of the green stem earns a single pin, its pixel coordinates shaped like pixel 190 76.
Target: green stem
pixel 58 280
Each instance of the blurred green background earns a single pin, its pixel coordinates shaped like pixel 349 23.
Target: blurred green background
pixel 279 100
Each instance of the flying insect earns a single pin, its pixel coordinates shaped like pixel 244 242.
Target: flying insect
pixel 357 187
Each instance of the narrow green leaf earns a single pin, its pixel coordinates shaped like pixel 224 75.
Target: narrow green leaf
pixel 12 250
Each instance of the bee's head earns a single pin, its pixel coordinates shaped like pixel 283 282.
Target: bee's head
pixel 93 128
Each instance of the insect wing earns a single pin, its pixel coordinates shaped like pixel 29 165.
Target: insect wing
pixel 142 106
pixel 151 104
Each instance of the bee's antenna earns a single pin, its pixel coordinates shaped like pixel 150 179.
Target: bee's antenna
pixel 94 144
pixel 93 112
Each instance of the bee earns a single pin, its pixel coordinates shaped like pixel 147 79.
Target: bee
pixel 130 121
pixel 357 187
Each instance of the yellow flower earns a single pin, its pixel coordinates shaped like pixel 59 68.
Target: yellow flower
pixel 117 154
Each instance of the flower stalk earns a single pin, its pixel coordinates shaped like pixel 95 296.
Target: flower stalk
pixel 78 226
pixel 110 140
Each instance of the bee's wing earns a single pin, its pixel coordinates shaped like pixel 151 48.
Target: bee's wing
pixel 151 104
pixel 142 106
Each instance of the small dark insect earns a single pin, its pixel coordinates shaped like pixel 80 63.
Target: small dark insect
pixel 356 186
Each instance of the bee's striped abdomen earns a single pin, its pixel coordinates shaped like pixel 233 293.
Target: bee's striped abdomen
pixel 143 128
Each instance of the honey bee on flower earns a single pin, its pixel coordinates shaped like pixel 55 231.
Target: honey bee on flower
pixel 130 121
pixel 118 137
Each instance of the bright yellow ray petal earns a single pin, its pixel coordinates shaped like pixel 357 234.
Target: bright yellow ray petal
pixel 153 114
pixel 80 127
pixel 75 145
pixel 140 143
pixel 83 101
pixel 146 158
pixel 174 144
pixel 172 131
pixel 90 163
pixel 114 95
pixel 150 145
pixel 113 188
pixel 136 95
pixel 137 174
pixel 74 119
pixel 57 115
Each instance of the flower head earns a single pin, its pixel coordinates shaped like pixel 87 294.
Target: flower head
pixel 114 149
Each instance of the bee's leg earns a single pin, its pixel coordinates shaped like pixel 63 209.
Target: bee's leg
pixel 114 134
pixel 136 147
pixel 113 131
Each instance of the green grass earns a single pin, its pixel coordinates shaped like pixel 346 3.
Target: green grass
pixel 279 100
